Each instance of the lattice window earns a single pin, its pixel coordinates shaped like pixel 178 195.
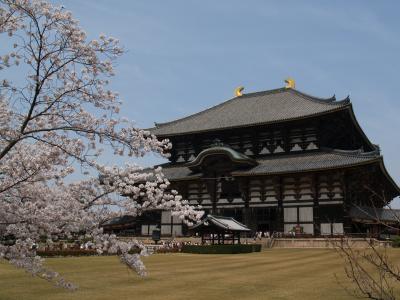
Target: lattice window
pixel 332 228
pixel 306 214
pixel 307 228
pixel 290 214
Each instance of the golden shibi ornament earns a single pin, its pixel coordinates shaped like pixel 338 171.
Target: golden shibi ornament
pixel 238 91
pixel 290 83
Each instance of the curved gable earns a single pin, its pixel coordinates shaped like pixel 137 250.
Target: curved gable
pixel 237 159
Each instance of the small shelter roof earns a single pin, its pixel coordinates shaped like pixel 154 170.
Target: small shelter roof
pixel 220 223
pixel 384 215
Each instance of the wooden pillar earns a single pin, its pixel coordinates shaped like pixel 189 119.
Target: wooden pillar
pixel 347 228
pixel 244 189
pixel 211 184
pixel 316 218
pixel 280 221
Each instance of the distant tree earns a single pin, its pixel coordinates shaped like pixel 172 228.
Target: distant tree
pixel 53 116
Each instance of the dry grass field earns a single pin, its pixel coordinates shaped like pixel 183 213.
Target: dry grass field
pixel 273 274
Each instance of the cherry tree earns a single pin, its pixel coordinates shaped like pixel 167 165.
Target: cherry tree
pixel 60 114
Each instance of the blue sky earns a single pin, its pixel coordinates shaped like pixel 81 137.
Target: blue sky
pixel 184 56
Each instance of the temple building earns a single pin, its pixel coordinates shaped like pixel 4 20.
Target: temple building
pixel 276 160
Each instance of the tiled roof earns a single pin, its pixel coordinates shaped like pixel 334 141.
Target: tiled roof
pixel 224 223
pixel 309 161
pixel 327 159
pixel 375 214
pixel 252 109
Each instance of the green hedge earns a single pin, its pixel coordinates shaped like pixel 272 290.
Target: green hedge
pixel 221 249
pixel 76 252
pixel 66 252
pixel 396 242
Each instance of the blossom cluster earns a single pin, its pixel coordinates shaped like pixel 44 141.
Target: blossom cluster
pixel 62 115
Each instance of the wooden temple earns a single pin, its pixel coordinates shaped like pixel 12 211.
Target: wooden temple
pixel 276 160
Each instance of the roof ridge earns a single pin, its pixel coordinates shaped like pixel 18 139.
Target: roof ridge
pixel 266 92
pixel 329 101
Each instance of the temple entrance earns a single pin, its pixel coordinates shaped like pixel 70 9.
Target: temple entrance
pixel 263 228
pixel 267 218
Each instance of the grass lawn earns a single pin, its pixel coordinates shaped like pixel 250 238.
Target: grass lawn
pixel 273 274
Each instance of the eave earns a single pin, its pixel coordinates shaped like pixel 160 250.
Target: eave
pixel 358 127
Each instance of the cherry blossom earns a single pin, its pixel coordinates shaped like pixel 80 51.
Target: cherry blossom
pixel 60 115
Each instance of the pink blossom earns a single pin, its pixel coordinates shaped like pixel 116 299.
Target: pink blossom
pixel 63 115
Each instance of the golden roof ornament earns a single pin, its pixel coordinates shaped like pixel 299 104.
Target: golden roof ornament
pixel 238 91
pixel 290 83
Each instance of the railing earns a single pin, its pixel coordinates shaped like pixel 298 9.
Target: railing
pixel 286 235
pixel 270 242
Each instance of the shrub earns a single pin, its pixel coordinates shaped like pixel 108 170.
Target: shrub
pixel 396 242
pixel 76 252
pixel 66 252
pixel 221 249
pixel 167 250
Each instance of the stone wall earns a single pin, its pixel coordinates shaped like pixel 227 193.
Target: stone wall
pixel 324 243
